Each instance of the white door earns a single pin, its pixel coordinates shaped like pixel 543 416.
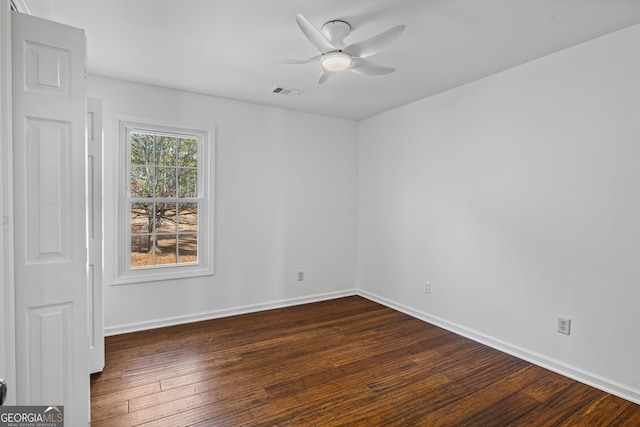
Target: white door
pixel 48 64
pixel 94 235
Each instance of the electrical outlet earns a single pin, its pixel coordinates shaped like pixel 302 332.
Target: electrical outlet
pixel 427 287
pixel 564 325
pixel 300 276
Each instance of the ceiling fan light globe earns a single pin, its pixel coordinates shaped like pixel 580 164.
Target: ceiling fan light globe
pixel 336 61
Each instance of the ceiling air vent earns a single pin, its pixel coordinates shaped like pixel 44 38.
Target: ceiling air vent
pixel 281 90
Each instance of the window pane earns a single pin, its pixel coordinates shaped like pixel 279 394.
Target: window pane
pixel 188 182
pixel 166 182
pixel 166 217
pixel 187 217
pixel 187 152
pixel 142 149
pixel 166 252
pixel 187 248
pixel 141 250
pixel 166 150
pixel 141 218
pixel 141 181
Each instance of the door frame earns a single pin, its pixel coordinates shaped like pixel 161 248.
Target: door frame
pixel 7 296
pixel 95 142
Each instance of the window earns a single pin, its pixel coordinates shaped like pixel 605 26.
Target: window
pixel 165 203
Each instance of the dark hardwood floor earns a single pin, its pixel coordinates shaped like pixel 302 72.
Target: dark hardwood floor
pixel 347 361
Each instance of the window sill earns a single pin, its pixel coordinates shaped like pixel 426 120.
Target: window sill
pixel 157 274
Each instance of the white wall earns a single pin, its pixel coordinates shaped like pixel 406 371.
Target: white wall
pixel 285 201
pixel 518 197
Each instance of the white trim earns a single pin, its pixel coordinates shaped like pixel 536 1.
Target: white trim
pixel 578 374
pixel 216 314
pixel 206 189
pixel 7 296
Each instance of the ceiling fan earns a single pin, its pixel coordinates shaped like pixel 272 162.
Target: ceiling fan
pixel 335 56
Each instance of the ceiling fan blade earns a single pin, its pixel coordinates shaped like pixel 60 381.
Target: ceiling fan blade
pixel 294 61
pixel 313 34
pixel 325 76
pixel 373 45
pixel 364 66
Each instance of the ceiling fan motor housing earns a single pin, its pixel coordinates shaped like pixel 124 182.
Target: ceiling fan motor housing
pixel 335 31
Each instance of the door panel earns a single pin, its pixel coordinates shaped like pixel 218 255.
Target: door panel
pixel 49 155
pixel 48 186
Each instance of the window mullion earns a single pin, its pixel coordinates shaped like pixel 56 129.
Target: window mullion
pixel 154 236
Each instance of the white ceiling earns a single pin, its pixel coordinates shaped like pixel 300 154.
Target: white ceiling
pixel 219 47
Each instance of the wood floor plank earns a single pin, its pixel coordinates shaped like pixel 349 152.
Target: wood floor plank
pixel 347 361
pixel 629 418
pixel 548 387
pixel 564 405
pixel 108 387
pixel 416 403
pixel 125 394
pixel 479 401
pixel 597 413
pixel 501 413
pixel 111 410
pixel 211 402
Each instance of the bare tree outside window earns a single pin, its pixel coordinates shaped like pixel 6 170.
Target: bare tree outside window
pixel 163 199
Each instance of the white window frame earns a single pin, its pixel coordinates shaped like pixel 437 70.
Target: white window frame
pixel 206 165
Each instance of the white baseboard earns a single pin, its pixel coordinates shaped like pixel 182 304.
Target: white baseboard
pixel 604 384
pixel 215 314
